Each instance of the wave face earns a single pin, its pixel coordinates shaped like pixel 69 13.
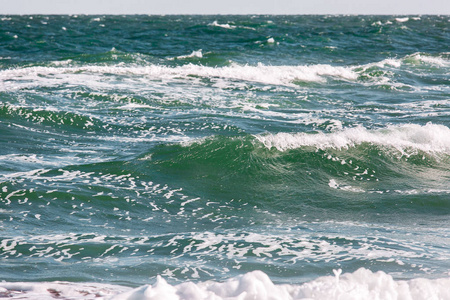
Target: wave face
pixel 195 157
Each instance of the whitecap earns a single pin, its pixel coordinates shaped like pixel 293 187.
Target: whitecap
pixel 226 26
pixel 361 284
pixel 194 54
pixel 92 75
pixel 402 20
pixel 428 59
pixel 407 139
pixel 337 186
pixel 133 106
pixel 61 73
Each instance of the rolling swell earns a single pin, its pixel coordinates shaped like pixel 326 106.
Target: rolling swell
pixel 307 182
pixel 226 202
pixel 357 177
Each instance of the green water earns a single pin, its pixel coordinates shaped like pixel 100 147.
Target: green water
pixel 204 147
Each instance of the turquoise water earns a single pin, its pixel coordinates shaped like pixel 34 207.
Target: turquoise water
pixel 206 147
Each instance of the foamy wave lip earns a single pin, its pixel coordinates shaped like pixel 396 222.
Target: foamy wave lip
pixel 273 75
pixel 430 138
pixel 226 26
pixel 133 106
pixel 362 284
pixel 440 60
pixel 286 75
pixel 402 20
pixel 278 75
pixel 386 65
pixel 194 54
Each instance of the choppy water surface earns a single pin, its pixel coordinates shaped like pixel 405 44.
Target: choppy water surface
pixel 204 148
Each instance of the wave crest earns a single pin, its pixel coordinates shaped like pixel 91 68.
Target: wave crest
pixel 407 139
pixel 361 284
pixel 63 72
pixel 274 75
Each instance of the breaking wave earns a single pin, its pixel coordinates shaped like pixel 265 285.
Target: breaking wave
pixel 361 284
pixel 407 139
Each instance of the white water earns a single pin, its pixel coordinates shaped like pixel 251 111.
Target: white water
pixel 286 75
pixel 226 26
pixel 407 139
pixel 94 75
pixel 361 284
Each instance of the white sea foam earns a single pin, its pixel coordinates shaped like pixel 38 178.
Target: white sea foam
pixel 275 75
pixel 226 26
pixel 430 138
pixel 286 75
pixel 133 106
pixel 194 54
pixel 58 290
pixel 427 59
pixel 391 62
pixel 389 66
pixel 402 20
pixel 361 284
pixel 335 185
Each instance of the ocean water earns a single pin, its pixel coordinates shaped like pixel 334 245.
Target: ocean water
pixel 225 157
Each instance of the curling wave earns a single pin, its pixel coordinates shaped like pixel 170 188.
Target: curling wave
pixel 407 139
